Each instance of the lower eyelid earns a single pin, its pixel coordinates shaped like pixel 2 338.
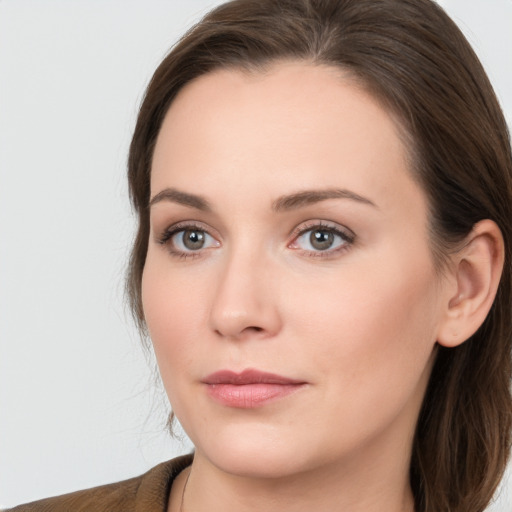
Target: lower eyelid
pixel 172 247
pixel 332 254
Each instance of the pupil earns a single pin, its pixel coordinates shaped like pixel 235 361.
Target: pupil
pixel 321 240
pixel 193 239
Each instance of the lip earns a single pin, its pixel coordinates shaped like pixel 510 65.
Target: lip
pixel 249 389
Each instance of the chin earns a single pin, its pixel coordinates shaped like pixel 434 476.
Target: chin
pixel 254 463
pixel 254 452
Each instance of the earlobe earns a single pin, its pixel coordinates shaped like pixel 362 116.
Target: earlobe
pixel 477 269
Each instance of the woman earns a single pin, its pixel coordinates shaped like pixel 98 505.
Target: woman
pixel 323 263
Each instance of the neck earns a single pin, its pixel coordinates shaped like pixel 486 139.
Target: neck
pixel 367 484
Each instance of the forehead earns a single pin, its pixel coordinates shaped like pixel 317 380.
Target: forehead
pixel 293 123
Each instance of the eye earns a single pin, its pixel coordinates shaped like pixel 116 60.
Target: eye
pixel 191 239
pixel 187 240
pixel 322 238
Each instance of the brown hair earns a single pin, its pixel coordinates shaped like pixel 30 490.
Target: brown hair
pixel 412 57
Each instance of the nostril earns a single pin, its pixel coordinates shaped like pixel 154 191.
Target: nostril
pixel 246 331
pixel 230 318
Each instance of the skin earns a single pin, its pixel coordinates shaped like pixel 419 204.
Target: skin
pixel 358 323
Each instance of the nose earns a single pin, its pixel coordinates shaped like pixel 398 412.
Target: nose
pixel 245 303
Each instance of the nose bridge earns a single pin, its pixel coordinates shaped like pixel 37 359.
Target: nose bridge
pixel 243 302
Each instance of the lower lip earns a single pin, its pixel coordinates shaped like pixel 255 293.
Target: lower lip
pixel 250 396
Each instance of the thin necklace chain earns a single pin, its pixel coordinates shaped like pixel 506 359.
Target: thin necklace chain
pixel 183 492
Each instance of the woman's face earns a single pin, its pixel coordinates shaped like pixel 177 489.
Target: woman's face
pixel 288 238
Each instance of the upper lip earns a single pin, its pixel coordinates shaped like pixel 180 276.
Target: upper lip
pixel 249 376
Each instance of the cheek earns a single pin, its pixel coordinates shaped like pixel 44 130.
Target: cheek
pixel 172 310
pixel 369 327
pixel 369 339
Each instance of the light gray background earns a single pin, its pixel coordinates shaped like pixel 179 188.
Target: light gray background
pixel 78 405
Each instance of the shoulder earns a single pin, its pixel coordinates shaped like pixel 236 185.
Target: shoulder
pixel 148 492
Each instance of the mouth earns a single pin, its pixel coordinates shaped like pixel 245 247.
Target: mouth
pixel 250 388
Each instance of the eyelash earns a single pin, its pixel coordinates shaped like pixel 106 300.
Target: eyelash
pixel 347 236
pixel 167 235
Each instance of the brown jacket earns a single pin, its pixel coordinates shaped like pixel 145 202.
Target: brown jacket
pixel 146 493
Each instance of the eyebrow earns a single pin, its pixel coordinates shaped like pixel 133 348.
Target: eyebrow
pixel 176 196
pixel 284 203
pixel 307 197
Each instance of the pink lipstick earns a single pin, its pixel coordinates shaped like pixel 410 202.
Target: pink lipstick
pixel 249 389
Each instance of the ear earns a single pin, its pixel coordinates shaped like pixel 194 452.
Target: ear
pixel 476 270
